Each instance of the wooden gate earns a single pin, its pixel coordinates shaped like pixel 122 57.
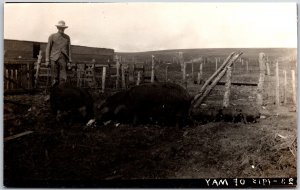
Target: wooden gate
pixel 18 75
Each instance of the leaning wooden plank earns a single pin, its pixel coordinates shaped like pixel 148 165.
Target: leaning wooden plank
pixel 208 81
pixel 215 74
pixel 208 90
pixel 17 136
pixel 198 101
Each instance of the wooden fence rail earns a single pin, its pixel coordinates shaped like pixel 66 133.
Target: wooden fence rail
pixel 18 75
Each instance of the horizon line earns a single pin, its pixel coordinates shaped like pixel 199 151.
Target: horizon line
pixel 206 48
pixel 143 51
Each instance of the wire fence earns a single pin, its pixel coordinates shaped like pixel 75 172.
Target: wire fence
pixel 245 78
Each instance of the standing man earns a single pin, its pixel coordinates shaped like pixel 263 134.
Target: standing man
pixel 58 52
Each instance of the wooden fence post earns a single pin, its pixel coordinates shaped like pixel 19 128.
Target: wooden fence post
pixel 247 66
pixel 123 76
pixel 167 73
pixel 294 87
pixel 38 63
pixel 198 78
pixel 93 72
pixel 192 70
pixel 183 67
pixel 261 80
pixel 277 95
pixel 268 68
pixel 11 78
pixel 200 73
pixel 180 60
pixel 227 88
pixel 138 78
pixel 118 72
pixel 133 72
pixel 216 63
pixel 5 75
pixel 184 73
pixel 28 75
pixel 16 78
pixel 152 69
pixel 79 81
pixel 103 78
pixel 285 88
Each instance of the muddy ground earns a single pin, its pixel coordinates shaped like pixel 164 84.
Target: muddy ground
pixel 62 152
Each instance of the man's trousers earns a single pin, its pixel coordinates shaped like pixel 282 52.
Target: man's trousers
pixel 58 70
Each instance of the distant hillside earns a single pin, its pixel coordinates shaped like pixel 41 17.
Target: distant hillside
pixel 249 53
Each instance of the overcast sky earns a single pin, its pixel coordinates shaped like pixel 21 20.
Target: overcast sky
pixel 157 26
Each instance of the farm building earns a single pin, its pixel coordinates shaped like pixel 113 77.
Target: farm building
pixel 16 49
pixel 21 57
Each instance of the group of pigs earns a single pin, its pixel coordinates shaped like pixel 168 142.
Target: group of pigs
pixel 157 103
pixel 165 104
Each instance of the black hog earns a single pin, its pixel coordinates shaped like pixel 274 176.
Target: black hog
pixel 113 108
pixel 69 102
pixel 231 115
pixel 251 114
pixel 206 115
pixel 162 103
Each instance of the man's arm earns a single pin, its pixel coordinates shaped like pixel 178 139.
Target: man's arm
pixel 48 49
pixel 69 52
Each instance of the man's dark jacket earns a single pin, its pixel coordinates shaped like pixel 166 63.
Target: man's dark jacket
pixel 58 43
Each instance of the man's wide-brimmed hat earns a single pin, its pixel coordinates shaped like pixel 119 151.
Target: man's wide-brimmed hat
pixel 61 24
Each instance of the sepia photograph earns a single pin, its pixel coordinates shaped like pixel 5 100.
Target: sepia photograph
pixel 150 95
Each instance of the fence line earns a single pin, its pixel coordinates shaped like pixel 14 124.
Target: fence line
pixel 112 76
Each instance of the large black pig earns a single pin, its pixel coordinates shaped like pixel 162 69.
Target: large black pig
pixel 114 108
pixel 69 102
pixel 233 115
pixel 162 103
